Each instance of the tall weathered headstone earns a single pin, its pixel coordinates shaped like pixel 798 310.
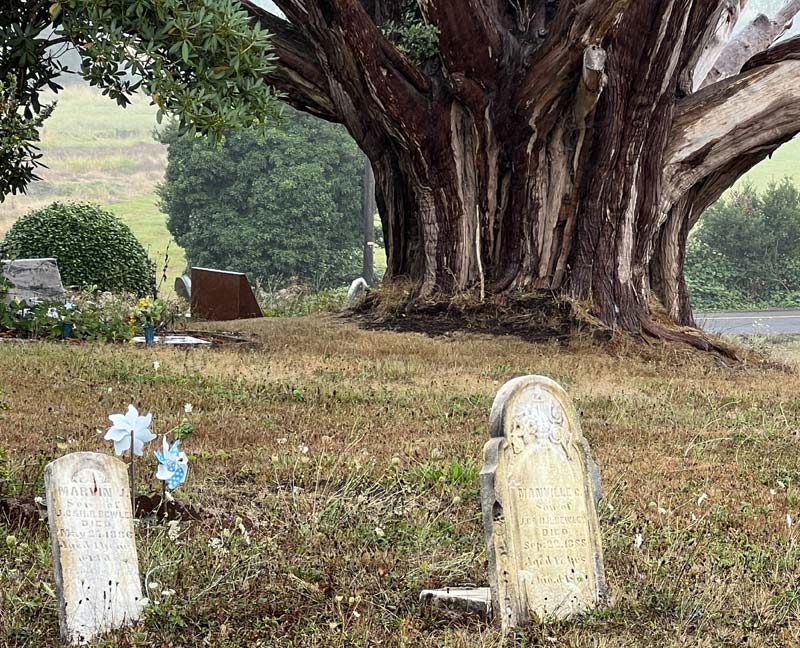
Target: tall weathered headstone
pixel 539 491
pixel 94 549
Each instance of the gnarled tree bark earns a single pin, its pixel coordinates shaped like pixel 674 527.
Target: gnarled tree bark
pixel 550 144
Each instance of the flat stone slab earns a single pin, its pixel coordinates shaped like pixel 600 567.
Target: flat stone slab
pixel 460 600
pixel 180 340
pixel 34 280
pixel 95 563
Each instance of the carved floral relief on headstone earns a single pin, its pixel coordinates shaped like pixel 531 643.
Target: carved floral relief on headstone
pixel 539 490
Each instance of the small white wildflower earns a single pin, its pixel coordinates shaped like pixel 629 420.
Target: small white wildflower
pixel 167 593
pixel 332 625
pixel 781 484
pixel 339 599
pixel 395 461
pixel 39 500
pixel 456 500
pixel 351 600
pixel 638 540
pixel 662 511
pixel 11 541
pixel 297 490
pixel 694 517
pixel 110 389
pixel 281 441
pixel 772 491
pixel 379 532
pixel 610 506
pixel 154 585
pixel 436 453
pixel 217 546
pixel 356 614
pixel 703 497
pixel 173 530
pixel 156 365
pixel 188 408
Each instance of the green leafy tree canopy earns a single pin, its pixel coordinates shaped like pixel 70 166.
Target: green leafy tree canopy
pixel 277 204
pixel 202 61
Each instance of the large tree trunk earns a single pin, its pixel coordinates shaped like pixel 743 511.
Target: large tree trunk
pixel 552 145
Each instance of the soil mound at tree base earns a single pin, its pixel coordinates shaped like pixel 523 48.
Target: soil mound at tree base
pixel 534 317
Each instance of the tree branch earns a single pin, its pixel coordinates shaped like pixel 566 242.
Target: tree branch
pixel 748 115
pixel 365 72
pixel 577 25
pixel 472 41
pixel 755 38
pixel 298 73
pixel 711 39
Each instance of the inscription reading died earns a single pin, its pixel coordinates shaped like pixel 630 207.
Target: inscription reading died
pixel 94 549
pixel 538 499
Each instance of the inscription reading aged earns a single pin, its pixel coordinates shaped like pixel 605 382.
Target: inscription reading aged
pixel 94 550
pixel 539 488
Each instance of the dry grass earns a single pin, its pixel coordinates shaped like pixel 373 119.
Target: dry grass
pixel 395 424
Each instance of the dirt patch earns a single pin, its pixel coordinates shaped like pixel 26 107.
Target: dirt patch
pixel 534 318
pixel 25 511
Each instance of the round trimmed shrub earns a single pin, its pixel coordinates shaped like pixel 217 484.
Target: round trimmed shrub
pixel 92 246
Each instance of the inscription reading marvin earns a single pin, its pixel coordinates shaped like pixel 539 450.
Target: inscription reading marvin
pixel 539 488
pixel 94 549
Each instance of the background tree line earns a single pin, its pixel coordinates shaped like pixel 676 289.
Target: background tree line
pixel 745 251
pixel 279 204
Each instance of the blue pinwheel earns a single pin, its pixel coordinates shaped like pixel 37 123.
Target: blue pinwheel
pixel 173 464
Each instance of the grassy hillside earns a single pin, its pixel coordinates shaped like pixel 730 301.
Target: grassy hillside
pixel 99 152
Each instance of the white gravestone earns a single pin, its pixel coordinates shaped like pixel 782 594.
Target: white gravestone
pixel 356 293
pixel 539 491
pixel 94 548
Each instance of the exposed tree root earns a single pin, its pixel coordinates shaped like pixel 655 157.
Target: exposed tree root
pixel 693 337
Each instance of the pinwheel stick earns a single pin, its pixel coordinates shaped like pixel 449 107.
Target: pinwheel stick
pixel 133 478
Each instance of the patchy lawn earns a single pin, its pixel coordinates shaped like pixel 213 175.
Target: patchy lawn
pixel 352 459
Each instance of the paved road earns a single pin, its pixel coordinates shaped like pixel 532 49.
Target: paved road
pixel 749 322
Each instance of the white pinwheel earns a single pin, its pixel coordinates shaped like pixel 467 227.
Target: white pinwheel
pixel 125 426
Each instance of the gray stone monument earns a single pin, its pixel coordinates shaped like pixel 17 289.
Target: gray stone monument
pixel 34 280
pixel 94 549
pixel 539 491
pixel 183 287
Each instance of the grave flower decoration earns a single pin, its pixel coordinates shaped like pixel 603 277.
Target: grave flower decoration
pixel 125 426
pixel 173 464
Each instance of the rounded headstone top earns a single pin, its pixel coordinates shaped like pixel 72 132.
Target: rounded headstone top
pixel 535 388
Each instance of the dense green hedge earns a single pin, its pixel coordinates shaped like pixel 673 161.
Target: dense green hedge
pixel 745 252
pixel 93 247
